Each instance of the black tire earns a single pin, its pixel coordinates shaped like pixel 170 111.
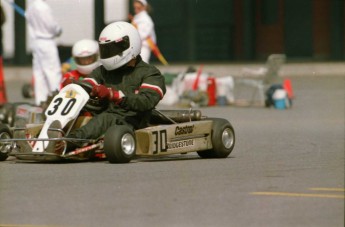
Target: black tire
pixel 2 114
pixel 7 113
pixel 223 139
pixel 27 91
pixel 11 115
pixel 119 144
pixel 5 133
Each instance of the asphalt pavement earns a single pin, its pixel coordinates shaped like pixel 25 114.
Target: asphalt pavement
pixel 287 169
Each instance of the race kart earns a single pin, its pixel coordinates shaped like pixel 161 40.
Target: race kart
pixel 169 132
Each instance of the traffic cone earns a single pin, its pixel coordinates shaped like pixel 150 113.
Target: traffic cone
pixel 288 88
pixel 3 97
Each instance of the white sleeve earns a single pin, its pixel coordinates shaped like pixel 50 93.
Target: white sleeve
pixel 145 29
pixel 51 22
pixel 42 21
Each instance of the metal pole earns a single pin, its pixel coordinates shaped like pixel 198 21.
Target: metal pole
pixel 99 17
pixel 249 29
pixel 20 56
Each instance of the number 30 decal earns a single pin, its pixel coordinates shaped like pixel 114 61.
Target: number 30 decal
pixel 160 141
pixel 66 109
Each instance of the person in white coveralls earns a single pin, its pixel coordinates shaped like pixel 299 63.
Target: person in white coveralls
pixel 143 22
pixel 46 63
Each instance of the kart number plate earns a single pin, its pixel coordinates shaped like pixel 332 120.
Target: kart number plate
pixel 67 104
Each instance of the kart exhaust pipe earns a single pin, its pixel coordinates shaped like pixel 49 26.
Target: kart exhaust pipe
pixel 176 116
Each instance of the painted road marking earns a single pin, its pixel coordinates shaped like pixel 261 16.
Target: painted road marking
pixel 328 189
pixel 299 195
pixel 2 225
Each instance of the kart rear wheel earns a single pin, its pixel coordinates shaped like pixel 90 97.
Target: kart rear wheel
pixel 5 133
pixel 119 144
pixel 223 139
pixel 27 91
pixel 7 113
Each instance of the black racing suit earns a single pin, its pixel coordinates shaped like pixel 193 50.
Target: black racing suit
pixel 143 86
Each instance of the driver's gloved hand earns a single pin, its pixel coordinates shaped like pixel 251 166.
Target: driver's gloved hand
pixel 104 92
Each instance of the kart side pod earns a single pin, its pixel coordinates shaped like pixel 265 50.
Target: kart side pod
pixel 174 139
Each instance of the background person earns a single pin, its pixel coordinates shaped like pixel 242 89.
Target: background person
pixel 143 22
pixel 85 54
pixel 46 63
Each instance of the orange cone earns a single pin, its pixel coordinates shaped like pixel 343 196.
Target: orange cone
pixel 3 97
pixel 211 91
pixel 288 88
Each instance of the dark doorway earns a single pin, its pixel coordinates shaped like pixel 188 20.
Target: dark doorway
pixel 298 28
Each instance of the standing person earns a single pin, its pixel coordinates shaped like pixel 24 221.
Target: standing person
pixel 85 55
pixel 46 63
pixel 143 22
pixel 132 87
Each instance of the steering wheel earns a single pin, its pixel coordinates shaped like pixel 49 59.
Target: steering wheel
pixel 94 105
pixel 86 86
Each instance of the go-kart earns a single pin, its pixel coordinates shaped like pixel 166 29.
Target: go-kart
pixel 169 132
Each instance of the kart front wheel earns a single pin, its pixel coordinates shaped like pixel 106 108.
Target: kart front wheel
pixel 5 133
pixel 119 144
pixel 223 139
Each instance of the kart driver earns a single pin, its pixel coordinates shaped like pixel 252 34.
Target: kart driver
pixel 85 54
pixel 132 87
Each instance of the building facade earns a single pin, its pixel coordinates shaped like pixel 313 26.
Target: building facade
pixel 203 30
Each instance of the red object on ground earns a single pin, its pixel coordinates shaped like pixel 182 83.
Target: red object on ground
pixel 3 97
pixel 211 91
pixel 288 88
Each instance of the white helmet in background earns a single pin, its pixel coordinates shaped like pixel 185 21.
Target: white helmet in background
pixel 85 54
pixel 119 42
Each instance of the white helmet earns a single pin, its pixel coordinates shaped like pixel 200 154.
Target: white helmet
pixel 85 54
pixel 119 42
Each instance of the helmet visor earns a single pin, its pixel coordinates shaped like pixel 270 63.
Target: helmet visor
pixel 111 49
pixel 86 60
